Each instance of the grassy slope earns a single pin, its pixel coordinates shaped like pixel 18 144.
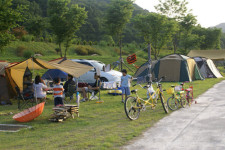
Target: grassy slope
pixel 100 126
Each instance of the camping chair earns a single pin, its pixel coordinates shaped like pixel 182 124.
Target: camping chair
pixel 25 100
pixel 69 94
pixel 94 94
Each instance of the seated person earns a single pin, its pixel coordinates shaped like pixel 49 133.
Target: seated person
pixel 95 87
pixel 39 87
pixel 69 82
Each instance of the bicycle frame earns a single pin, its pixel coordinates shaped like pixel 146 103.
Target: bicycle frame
pixel 147 102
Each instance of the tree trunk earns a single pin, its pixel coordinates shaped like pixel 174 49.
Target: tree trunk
pixel 67 45
pixel 60 50
pixel 174 47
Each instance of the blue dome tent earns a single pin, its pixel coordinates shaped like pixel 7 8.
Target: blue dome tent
pixel 55 73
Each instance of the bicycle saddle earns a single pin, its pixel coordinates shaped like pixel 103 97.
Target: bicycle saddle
pixel 172 86
pixel 134 91
pixel 188 90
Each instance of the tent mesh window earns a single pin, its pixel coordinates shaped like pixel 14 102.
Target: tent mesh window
pixel 12 127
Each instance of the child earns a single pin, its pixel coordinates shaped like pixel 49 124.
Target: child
pixel 125 84
pixel 58 92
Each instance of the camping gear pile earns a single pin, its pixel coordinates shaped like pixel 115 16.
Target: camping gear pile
pixel 61 113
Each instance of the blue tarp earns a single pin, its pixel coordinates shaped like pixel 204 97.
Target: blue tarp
pixel 54 73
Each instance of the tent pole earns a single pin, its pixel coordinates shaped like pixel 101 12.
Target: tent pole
pixel 149 64
pixel 77 99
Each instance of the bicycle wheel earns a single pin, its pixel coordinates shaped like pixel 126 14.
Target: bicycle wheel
pixel 172 103
pixel 183 101
pixel 164 104
pixel 130 107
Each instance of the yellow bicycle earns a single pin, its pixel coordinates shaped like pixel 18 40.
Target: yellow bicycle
pixel 133 105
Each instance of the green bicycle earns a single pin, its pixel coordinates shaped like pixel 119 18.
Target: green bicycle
pixel 133 105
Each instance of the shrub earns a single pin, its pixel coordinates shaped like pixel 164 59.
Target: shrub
pixel 27 38
pixel 27 54
pixel 86 50
pixel 84 42
pixel 20 50
pixel 32 39
pixel 19 32
pixel 42 39
pixel 81 50
pixel 90 43
pixel 103 43
pixel 92 50
pixel 117 50
pixel 50 40
pixel 78 42
pixel 95 43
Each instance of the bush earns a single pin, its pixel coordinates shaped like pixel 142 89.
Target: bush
pixel 42 39
pixel 117 50
pixel 27 38
pixel 50 40
pixel 20 50
pixel 92 50
pixel 103 43
pixel 81 50
pixel 19 32
pixel 86 50
pixel 32 39
pixel 27 54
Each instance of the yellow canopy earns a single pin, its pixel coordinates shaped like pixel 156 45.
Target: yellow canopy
pixel 212 54
pixel 15 73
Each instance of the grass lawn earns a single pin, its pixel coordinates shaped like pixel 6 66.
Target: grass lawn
pixel 100 126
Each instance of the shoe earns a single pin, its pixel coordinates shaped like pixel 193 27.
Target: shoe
pixel 123 101
pixel 83 100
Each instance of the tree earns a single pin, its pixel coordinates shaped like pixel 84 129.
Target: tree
pixel 212 37
pixel 118 15
pixel 8 19
pixel 65 20
pixel 156 29
pixel 187 39
pixel 36 25
pixel 176 10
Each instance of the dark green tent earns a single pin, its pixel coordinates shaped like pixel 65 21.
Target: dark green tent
pixel 176 68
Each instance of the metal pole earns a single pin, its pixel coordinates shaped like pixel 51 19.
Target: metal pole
pixel 149 63
pixel 121 59
pixel 77 99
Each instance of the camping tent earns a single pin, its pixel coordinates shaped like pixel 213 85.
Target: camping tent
pixel 15 73
pixel 144 69
pixel 53 73
pixel 212 54
pixel 207 68
pixel 175 67
pixel 4 93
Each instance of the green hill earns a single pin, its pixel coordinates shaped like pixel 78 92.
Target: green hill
pixel 93 30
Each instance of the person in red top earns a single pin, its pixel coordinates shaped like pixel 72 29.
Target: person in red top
pixel 58 92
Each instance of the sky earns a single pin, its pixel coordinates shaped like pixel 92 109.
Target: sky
pixel 209 13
